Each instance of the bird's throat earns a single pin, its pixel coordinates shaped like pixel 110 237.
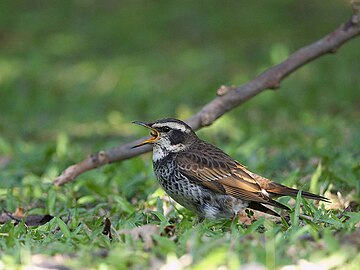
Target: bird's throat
pixel 159 153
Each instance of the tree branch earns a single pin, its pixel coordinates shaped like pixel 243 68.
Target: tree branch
pixel 230 97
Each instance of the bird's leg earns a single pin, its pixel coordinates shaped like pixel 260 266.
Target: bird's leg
pixel 197 220
pixel 235 215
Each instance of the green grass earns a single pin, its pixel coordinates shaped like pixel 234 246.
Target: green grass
pixel 74 75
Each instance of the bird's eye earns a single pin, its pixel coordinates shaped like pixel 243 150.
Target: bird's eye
pixel 165 129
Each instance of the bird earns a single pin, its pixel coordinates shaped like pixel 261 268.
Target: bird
pixel 204 179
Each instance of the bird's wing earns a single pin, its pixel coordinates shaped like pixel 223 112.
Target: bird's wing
pixel 222 174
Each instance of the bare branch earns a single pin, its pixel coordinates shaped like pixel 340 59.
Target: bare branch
pixel 230 97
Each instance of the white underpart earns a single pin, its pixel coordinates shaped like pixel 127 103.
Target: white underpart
pixel 238 207
pixel 210 211
pixel 172 125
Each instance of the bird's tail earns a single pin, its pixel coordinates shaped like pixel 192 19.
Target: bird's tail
pixel 278 190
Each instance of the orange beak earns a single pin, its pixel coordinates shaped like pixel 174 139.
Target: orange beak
pixel 154 133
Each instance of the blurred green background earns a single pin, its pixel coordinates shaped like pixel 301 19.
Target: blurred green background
pixel 74 74
pixel 86 69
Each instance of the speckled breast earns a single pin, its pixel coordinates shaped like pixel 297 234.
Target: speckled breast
pixel 192 196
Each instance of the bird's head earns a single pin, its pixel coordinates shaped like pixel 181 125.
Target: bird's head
pixel 169 134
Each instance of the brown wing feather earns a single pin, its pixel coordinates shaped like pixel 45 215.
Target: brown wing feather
pixel 277 190
pixel 219 172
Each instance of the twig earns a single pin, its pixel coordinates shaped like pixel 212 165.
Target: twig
pixel 230 97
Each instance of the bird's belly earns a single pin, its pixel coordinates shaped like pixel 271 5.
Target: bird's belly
pixel 197 198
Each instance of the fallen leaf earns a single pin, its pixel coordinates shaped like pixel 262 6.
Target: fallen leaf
pixel 107 228
pixel 169 231
pixel 146 232
pixel 19 215
pixel 37 220
pixel 42 262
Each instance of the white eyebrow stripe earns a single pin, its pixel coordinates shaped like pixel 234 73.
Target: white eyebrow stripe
pixel 172 125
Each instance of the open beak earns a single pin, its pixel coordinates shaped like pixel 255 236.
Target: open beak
pixel 154 133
